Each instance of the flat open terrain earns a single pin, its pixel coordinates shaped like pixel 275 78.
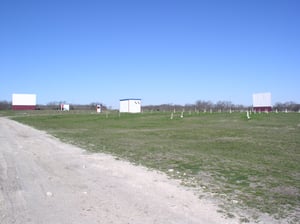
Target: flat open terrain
pixel 251 165
pixel 45 181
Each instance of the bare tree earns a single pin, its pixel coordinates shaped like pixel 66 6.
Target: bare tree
pixel 204 105
pixel 290 106
pixel 5 105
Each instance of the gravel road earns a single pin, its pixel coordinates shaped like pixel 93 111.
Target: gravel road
pixel 43 180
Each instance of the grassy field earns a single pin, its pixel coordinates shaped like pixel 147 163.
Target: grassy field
pixel 250 164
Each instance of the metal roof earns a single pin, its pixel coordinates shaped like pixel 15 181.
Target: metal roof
pixel 130 99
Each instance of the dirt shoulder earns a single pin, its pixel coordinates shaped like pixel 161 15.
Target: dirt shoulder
pixel 43 180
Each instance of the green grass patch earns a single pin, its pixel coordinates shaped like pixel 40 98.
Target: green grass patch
pixel 254 163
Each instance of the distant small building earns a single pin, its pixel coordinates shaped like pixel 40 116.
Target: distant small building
pixel 23 101
pixel 98 108
pixel 262 102
pixel 64 107
pixel 130 105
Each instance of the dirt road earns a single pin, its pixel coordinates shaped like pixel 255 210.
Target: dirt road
pixel 45 181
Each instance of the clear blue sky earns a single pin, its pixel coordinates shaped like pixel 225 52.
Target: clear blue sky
pixel 171 51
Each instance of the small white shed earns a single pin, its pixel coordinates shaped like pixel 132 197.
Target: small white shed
pixel 64 107
pixel 130 105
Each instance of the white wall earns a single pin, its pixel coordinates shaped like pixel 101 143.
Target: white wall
pixel 65 107
pixel 130 105
pixel 23 99
pixel 124 106
pixel 262 100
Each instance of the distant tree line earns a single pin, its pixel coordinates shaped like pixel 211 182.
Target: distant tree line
pixel 55 105
pixel 220 106
pixel 200 105
pixel 5 105
pixel 289 106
